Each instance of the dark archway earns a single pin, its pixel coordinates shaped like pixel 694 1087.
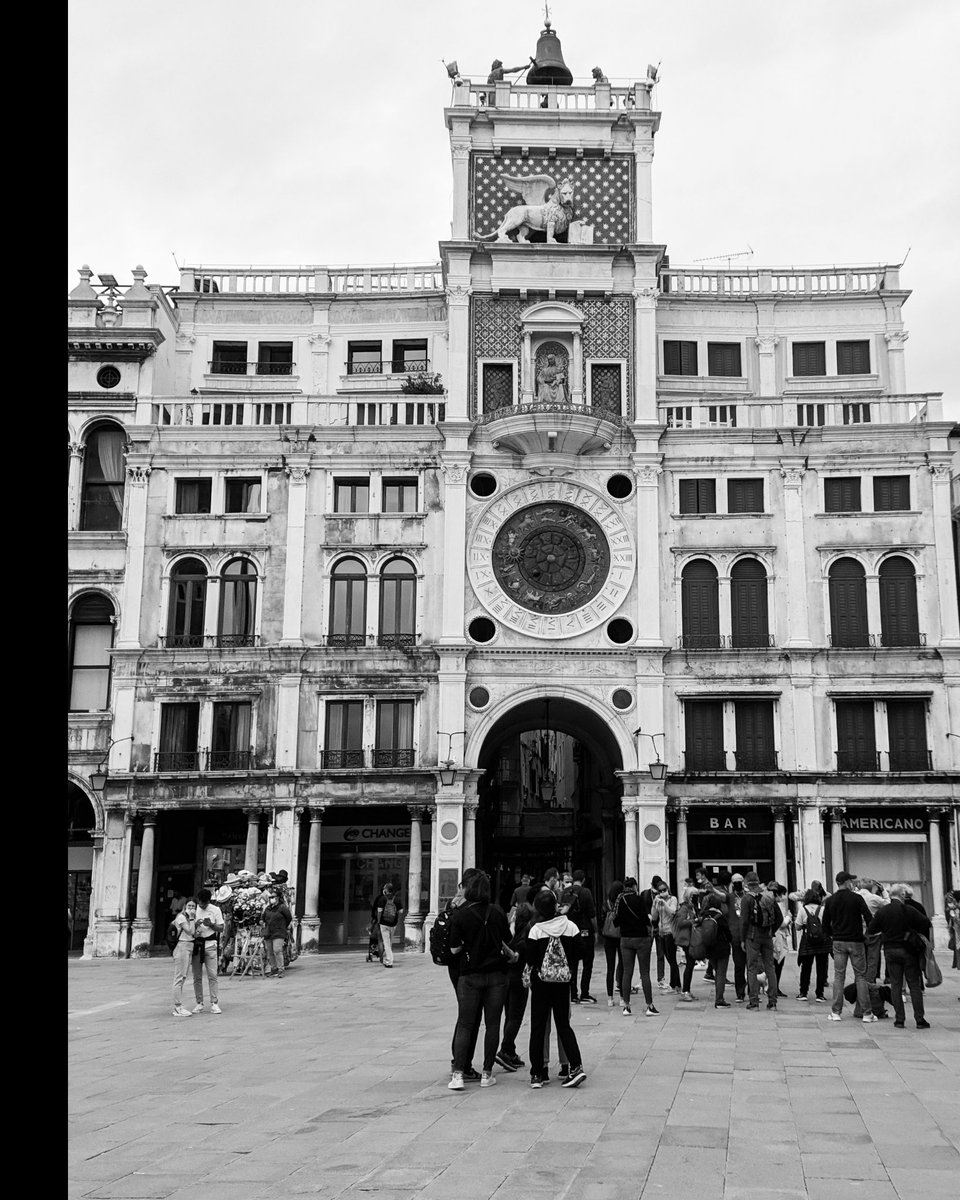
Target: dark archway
pixel 549 795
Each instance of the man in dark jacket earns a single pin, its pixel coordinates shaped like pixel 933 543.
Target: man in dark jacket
pixel 760 918
pixel 737 938
pixel 845 916
pixel 632 917
pixel 276 919
pixel 584 915
pixel 470 1074
pixel 893 923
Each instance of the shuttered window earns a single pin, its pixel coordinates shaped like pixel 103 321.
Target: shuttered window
pixel 809 358
pixel 754 722
pixel 842 495
pixel 723 358
pixel 907 733
pixel 748 603
pixel 853 358
pixel 856 736
pixel 744 495
pixel 848 604
pixel 698 495
pixel 497 386
pixel 891 493
pixel 899 620
pixel 703 750
pixel 679 358
pixel 700 603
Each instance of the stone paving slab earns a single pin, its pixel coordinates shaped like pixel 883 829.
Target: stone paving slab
pixel 332 1084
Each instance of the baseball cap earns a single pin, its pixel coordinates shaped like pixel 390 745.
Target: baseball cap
pixel 843 876
pixel 736 879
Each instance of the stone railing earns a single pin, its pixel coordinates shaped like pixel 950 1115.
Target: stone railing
pixel 302 280
pixel 340 412
pixel 680 282
pixel 772 412
pixel 588 97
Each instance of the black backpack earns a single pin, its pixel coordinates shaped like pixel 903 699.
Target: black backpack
pixel 766 917
pixel 440 939
pixel 172 936
pixel 815 935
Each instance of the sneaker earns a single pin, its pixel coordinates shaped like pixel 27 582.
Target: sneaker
pixel 922 1024
pixel 470 1075
pixel 740 999
pixel 576 1076
pixel 663 985
pixel 506 1061
pixel 487 1079
pixel 198 1008
pixel 611 1003
pixel 564 1072
pixel 884 1016
pixel 456 1082
pixel 574 999
pixel 834 1016
pixel 773 1005
pixel 800 996
pixel 710 978
pixel 588 999
pixel 215 1008
pixel 686 997
pixel 518 1062
pixel 536 1081
pixel 545 1076
pixel 626 1010
pixel 180 1011
pixel 676 991
pixel 752 1005
pixel 721 1004
pixel 868 1018
pixel 820 999
pixel 650 1011
pixel 634 991
pixel 898 1024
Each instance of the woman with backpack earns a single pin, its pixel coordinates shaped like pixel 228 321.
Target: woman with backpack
pixel 814 949
pixel 611 942
pixel 553 943
pixel 385 915
pixel 516 1004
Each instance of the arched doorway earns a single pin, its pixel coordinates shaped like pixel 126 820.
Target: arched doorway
pixel 549 795
pixel 81 824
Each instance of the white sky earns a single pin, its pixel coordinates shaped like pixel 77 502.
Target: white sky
pixel 816 132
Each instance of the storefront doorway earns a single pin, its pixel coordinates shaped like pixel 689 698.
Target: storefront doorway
pixel 81 821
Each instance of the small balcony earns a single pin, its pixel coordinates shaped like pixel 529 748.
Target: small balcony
pixel 393 758
pixel 911 760
pixel 229 760
pixel 223 366
pixel 342 760
pixel 877 641
pixel 176 760
pixel 199 641
pixel 853 762
pixel 757 760
pixel 700 762
pixel 388 366
pixel 405 642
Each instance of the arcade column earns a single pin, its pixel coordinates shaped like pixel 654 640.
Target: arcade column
pixel 252 848
pixel 413 918
pixel 836 845
pixel 631 853
pixel 142 928
pixel 310 922
pixel 683 848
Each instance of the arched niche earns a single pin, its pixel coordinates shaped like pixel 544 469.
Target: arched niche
pixel 551 326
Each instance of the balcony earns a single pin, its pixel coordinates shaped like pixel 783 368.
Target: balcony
pixel 200 641
pixel 387 366
pixel 312 280
pixel 229 760
pixel 176 760
pixel 393 758
pixel 356 760
pixel 830 408
pixel 223 366
pixel 405 642
pixel 697 283
pixel 857 761
pixel 564 429
pixel 911 760
pixel 701 762
pixel 757 760
pixel 877 641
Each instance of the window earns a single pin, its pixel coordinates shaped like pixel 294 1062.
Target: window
pixel 410 356
pixel 811 414
pixel 848 604
pixel 348 604
pixel 679 358
pixel 351 495
pixel 754 724
pixel 230 743
pixel 101 504
pixel 606 386
pixel 399 496
pixel 899 621
pixel 363 358
pixel 842 495
pixel 748 603
pixel 343 739
pixel 193 496
pixel 907 734
pixel 891 493
pixel 238 604
pixel 275 358
pixel 698 495
pixel 179 726
pixel 744 495
pixel 723 358
pixel 188 597
pixel 394 746
pixel 229 358
pixel 108 377
pixel 91 638
pixel 853 358
pixel 703 749
pixel 241 496
pixel 856 736
pixel 700 606
pixel 809 358
pixel 398 604
pixel 497 386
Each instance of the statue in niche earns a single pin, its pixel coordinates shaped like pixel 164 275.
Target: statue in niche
pixel 552 382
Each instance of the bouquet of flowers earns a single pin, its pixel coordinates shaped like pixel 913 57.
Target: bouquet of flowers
pixel 248 906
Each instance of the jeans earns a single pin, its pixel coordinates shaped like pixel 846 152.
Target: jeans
pixel 670 954
pixel 855 952
pixel 516 1006
pixel 587 949
pixel 453 970
pixel 386 937
pixel 611 948
pixel 181 966
pixel 547 998
pixel 206 957
pixel 806 969
pixel 689 964
pixel 719 958
pixel 760 950
pixel 739 969
pixel 661 955
pixel 903 962
pixel 871 948
pixel 636 950
pixel 274 949
pixel 486 992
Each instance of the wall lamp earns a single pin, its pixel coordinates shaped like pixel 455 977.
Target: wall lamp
pixel 658 769
pixel 448 769
pixel 98 778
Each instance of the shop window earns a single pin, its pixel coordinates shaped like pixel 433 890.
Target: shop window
pixel 700 605
pixel 606 384
pixel 343 735
pixel 842 495
pixel 101 502
pixel 409 356
pixel 907 734
pixel 399 495
pixel 496 386
pixel 723 358
pixel 398 605
pixel 275 358
pixel 698 495
pixel 848 604
pixel 193 496
pixel 241 495
pixel 856 736
pixel 899 619
pixel 229 358
pixel 230 739
pixel 351 495
pixel 188 597
pixel 348 604
pixel 809 358
pixel 744 495
pixel 755 745
pixel 679 358
pixel 748 604
pixel 364 358
pixel 91 639
pixel 394 744
pixel 891 493
pixel 238 604
pixel 179 727
pixel 853 358
pixel 703 747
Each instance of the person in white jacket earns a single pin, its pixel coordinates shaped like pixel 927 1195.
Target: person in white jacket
pixel 552 947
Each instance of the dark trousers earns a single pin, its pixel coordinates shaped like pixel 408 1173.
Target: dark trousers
pixel 670 954
pixel 760 952
pixel 806 969
pixel 661 956
pixel 903 963
pixel 871 946
pixel 739 969
pixel 516 1007
pixel 687 972
pixel 547 998
pixel 636 950
pixel 611 948
pixel 480 992
pixel 587 948
pixel 718 961
pixel 453 970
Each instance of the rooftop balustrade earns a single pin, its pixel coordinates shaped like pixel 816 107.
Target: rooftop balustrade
pixel 312 280
pixel 680 283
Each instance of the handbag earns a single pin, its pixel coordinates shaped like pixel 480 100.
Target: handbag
pixel 931 969
pixel 609 929
pixel 525 977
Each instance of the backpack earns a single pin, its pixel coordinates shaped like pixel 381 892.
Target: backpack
pixel 440 939
pixel 489 946
pixel 815 935
pixel 765 916
pixel 388 914
pixel 703 937
pixel 554 968
pixel 172 936
pixel 684 923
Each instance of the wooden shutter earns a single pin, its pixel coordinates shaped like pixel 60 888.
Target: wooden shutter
pixel 853 358
pixel 899 620
pixel 679 358
pixel 704 735
pixel 754 721
pixel 809 358
pixel 842 495
pixel 700 605
pixel 907 732
pixel 723 358
pixel 698 495
pixel 891 493
pixel 748 604
pixel 856 737
pixel 848 604
pixel 744 495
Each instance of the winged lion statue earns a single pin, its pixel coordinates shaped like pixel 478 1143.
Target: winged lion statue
pixel 547 207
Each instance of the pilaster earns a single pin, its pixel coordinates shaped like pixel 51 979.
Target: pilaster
pixel 136 526
pixel 297 469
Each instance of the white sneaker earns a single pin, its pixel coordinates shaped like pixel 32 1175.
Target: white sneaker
pixel 456 1081
pixel 611 1003
pixel 180 1011
pixel 487 1079
pixel 215 1008
pixel 198 1008
pixel 869 1017
pixel 664 987
pixel 834 1016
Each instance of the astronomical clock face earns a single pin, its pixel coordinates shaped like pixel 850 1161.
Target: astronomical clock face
pixel 551 559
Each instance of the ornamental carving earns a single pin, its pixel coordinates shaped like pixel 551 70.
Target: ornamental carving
pixel 766 344
pixel 297 474
pixel 138 475
pixel 896 339
pixel 551 558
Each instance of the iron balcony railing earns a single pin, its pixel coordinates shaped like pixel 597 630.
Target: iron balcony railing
pixel 355 760
pixel 229 760
pixel 221 641
pixel 393 758
pixel 911 760
pixel 388 366
pixel 360 641
pixel 203 760
pixel 223 366
pixel 757 760
pixel 726 641
pixel 858 640
pixel 176 760
pixel 852 761
pixel 694 761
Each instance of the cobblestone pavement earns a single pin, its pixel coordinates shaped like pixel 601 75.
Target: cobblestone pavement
pixel 332 1083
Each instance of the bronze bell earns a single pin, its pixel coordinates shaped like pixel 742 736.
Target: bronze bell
pixel 549 66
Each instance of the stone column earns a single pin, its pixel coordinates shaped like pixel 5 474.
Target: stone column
pixel 646 357
pixel 643 158
pixel 780 845
pixel 631 850
pixel 454 468
pixel 310 924
pixel 793 589
pixel 129 820
pixel 811 840
pixel 96 893
pixel 767 355
pixel 936 861
pixel 253 840
pixel 896 371
pixel 943 538
pixel 836 846
pixel 143 925
pixel 128 637
pixel 647 476
pixel 527 382
pixel 461 190
pixel 576 370
pixel 683 853
pixel 459 365
pixel 297 471
pixel 75 484
pixel 413 918
pixel 469 834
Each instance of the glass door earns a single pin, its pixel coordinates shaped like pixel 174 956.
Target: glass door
pixel 363 881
